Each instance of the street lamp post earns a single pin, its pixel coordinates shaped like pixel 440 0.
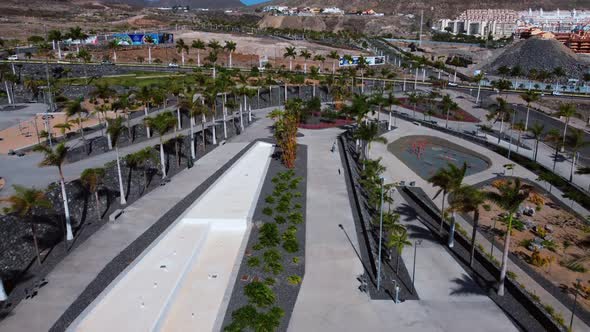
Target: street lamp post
pixel 575 300
pixel 416 244
pixel 380 238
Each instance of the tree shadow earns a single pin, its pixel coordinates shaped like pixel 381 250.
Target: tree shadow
pixel 367 271
pixel 466 286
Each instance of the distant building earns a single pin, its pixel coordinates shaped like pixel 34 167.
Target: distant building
pixel 555 21
pixel 482 22
pixel 332 11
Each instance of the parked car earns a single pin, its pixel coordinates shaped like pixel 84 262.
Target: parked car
pixel 13 57
pixel 107 63
pixel 172 65
pixel 453 84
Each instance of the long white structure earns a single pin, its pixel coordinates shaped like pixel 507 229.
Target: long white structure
pixel 181 281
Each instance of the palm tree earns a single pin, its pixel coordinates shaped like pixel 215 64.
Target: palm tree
pixel 519 128
pixel 566 110
pixel 448 180
pixel 141 159
pixel 509 196
pixel 306 55
pixel 63 128
pixel 536 131
pixel 23 202
pixel 115 129
pixel 468 199
pixel 380 101
pixel 181 47
pixel 113 45
pixel 291 53
pixel 529 97
pixel 55 36
pixel 448 106
pixel 212 59
pixel 391 102
pixel 334 56
pixel 230 47
pixel 501 112
pixel 162 123
pixel 199 45
pixel 75 108
pixel 477 78
pixel 368 133
pixel 56 157
pixel 575 141
pixel 554 137
pixel 398 240
pixel 414 99
pixel 210 99
pixel 122 103
pixel 320 58
pixel 91 179
pixel 144 95
pixel 76 34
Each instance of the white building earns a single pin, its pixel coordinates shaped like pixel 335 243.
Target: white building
pixel 481 22
pixel 554 21
pixel 332 11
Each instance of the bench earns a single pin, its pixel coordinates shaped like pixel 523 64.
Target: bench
pixel 116 214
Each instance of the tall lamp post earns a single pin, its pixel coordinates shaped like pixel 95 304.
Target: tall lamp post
pixel 416 244
pixel 380 238
pixel 575 300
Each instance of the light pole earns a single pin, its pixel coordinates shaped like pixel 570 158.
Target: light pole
pixel 416 244
pixel 575 300
pixel 380 238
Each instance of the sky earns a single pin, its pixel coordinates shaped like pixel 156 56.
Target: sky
pixel 253 2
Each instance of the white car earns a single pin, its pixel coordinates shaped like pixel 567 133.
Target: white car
pixel 172 65
pixel 556 93
pixel 13 57
pixel 453 84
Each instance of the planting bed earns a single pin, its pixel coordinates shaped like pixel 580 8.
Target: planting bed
pixel 438 112
pixel 273 265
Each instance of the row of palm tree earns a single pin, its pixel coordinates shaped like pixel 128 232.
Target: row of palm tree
pixel 509 195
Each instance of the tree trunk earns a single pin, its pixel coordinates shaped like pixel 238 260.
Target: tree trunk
pixel 162 159
pixel 241 119
pixel 176 152
pixel 64 195
pixel 203 120
pixel 35 242
pixel 505 257
pixel 98 215
pixel 147 128
pixel 178 118
pixel 442 212
pixel 501 128
pixel 121 189
pixel 473 235
pixel 192 138
pixel 213 129
pixel 3 295
pixel 82 131
pixel 451 242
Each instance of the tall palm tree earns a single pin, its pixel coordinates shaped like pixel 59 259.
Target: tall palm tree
pixel 321 59
pixel 199 45
pixel 368 133
pixel 215 47
pixel 478 79
pixel 144 95
pixel 413 98
pixel 56 157
pixel 519 128
pixel 501 111
pixel 22 203
pixel 140 159
pixel 91 179
pixel 510 195
pixel 230 47
pixel 448 180
pixel 575 141
pixel 306 55
pixel 212 59
pixel 113 45
pixel 378 100
pixel 210 99
pixel 529 97
pixel 115 129
pixel 448 105
pixel 63 128
pixel 398 240
pixel 122 103
pixel 536 131
pixel 566 110
pixel 334 56
pixel 75 109
pixel 468 199
pixel 291 53
pixel 162 123
pixel 553 136
pixel 391 102
pixel 181 47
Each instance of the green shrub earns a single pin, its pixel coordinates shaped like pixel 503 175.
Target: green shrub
pixel 272 261
pixel 297 194
pixel 259 294
pixel 480 247
pixel 257 246
pixel 511 275
pixel 295 260
pixel 267 211
pixel 294 280
pixel 247 318
pixel 296 217
pixel 269 199
pixel 291 245
pixel 280 219
pixel 283 207
pixel 270 281
pixel 525 243
pixel 574 266
pixel 549 244
pixel 550 310
pixel 269 235
pixel 253 261
pixel 297 206
pixel 535 297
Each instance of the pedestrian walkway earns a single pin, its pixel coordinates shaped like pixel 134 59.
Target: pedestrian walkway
pixel 71 277
pixel 398 171
pixel 329 299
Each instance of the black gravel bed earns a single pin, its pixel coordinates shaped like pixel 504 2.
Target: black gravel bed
pixel 557 291
pixel 286 293
pixel 368 236
pixel 525 313
pixel 18 267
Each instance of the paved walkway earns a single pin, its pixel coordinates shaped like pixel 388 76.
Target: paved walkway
pixel 69 279
pixel 329 299
pixel 397 171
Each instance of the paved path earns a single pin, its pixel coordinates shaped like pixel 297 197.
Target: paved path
pixel 397 171
pixel 71 276
pixel 329 299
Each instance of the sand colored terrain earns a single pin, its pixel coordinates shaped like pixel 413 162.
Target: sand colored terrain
pixel 566 227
